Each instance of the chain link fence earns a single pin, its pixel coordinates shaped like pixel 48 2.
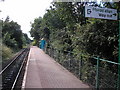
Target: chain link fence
pixel 96 72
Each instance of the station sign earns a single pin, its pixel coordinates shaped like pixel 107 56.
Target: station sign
pixel 103 13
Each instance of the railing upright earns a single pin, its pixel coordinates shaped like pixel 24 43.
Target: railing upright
pixel 119 53
pixel 69 55
pixel 80 67
pixel 97 73
pixel 71 65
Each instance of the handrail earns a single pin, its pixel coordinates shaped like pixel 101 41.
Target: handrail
pixel 92 57
pixel 107 61
pixel 97 68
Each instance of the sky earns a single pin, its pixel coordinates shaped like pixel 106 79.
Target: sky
pixel 24 11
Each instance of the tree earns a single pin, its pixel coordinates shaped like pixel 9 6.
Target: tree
pixel 12 34
pixel 70 30
pixel 36 28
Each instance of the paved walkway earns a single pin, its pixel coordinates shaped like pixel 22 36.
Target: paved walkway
pixel 44 72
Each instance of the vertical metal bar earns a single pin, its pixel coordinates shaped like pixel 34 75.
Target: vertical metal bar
pixel 97 74
pixel 119 54
pixel 84 15
pixel 61 58
pixel 50 51
pixel 57 55
pixel 1 27
pixel 57 52
pixel 76 68
pixel 73 57
pixel 80 67
pixel 70 61
pixel 54 53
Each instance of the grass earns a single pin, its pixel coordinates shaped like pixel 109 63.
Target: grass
pixel 7 53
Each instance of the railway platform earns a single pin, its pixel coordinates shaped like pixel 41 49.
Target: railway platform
pixel 42 71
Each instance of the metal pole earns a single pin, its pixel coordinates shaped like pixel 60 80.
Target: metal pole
pixel 70 60
pixel 119 54
pixel 80 67
pixel 1 27
pixel 97 74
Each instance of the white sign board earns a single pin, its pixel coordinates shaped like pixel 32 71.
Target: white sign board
pixel 103 13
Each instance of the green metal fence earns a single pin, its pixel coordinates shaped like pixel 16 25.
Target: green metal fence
pixel 96 72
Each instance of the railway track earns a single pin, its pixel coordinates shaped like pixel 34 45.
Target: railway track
pixel 11 73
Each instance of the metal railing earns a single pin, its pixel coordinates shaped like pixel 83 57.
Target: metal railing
pixel 98 73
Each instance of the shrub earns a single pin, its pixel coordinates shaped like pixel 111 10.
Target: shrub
pixel 6 52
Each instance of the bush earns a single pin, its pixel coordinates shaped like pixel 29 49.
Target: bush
pixel 6 52
pixel 34 43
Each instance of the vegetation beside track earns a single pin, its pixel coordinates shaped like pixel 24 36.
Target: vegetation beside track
pixel 6 52
pixel 13 39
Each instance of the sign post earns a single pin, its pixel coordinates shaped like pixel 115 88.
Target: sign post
pixel 105 13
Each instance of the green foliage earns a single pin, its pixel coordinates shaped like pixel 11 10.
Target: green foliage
pixel 12 34
pixel 36 28
pixel 25 39
pixel 6 52
pixel 12 38
pixel 99 41
pixel 9 42
pixel 68 30
pixel 34 43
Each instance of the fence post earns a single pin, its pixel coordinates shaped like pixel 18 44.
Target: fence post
pixel 97 73
pixel 70 60
pixel 59 56
pixel 80 67
pixel 50 51
pixel 119 54
pixel 54 54
pixel 118 84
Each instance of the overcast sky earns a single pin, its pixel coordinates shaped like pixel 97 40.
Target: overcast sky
pixel 23 11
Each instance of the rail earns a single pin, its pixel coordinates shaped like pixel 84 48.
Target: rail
pixel 11 72
pixel 19 72
pixel 7 66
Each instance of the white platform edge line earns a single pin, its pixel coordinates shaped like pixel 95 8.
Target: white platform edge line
pixel 25 75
